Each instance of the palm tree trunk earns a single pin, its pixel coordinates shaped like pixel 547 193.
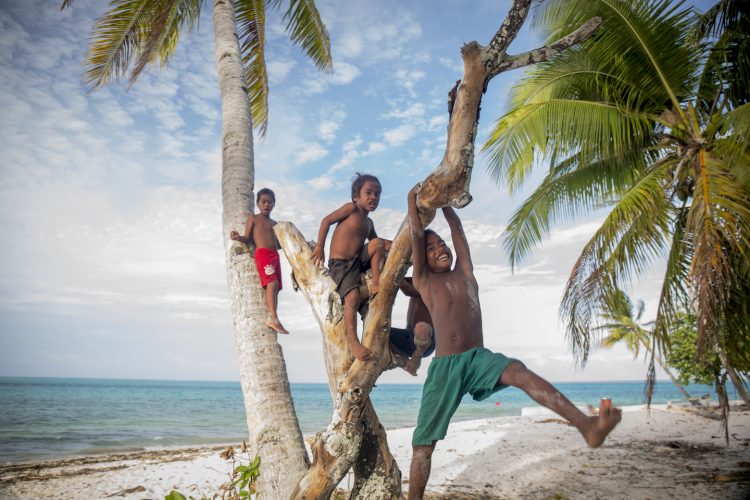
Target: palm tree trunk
pixel 677 384
pixel 273 428
pixel 732 373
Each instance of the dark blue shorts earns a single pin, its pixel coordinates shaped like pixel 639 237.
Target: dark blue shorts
pixel 403 339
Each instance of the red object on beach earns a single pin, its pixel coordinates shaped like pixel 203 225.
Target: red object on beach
pixel 497 403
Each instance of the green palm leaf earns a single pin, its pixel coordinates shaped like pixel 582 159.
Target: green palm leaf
pixel 570 189
pixel 592 129
pixel 719 220
pixel 632 235
pixel 116 40
pixel 163 13
pixel 307 30
pixel 655 31
pixel 251 20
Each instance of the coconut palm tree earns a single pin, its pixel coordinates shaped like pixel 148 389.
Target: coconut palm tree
pixel 135 33
pixel 623 121
pixel 622 320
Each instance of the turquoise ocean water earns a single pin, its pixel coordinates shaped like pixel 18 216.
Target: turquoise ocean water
pixel 60 417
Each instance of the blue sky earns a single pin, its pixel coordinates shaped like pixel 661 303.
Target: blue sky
pixel 112 260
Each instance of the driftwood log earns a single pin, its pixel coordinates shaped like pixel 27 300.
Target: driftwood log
pixel 355 437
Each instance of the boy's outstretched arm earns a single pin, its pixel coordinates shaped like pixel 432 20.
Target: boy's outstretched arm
pixel 463 255
pixel 248 238
pixel 416 234
pixel 330 219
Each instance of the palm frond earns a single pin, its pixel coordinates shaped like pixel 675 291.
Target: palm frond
pixel 570 189
pixel 656 31
pixel 674 290
pixel 251 20
pixel 307 30
pixel 591 129
pixel 187 17
pixel 632 235
pixel 720 17
pixel 733 143
pixel 163 13
pixel 719 220
pixel 115 40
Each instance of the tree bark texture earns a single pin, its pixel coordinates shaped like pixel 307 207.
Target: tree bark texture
pixel 274 432
pixel 336 449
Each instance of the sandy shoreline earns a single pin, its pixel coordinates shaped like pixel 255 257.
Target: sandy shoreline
pixel 664 453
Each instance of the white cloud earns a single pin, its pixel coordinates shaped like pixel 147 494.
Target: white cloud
pixel 374 148
pixel 279 70
pixel 409 78
pixel 310 152
pixel 327 130
pixel 320 183
pixel 348 45
pixel 438 122
pixel 415 110
pixel 399 135
pixel 344 73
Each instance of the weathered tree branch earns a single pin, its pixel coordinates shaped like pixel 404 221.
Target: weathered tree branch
pixel 509 29
pixel 337 449
pixel 542 54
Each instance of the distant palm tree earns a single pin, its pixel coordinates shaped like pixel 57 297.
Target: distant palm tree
pixel 645 119
pixel 136 33
pixel 622 320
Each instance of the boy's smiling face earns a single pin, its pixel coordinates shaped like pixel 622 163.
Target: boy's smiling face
pixel 266 204
pixel 369 196
pixel 437 254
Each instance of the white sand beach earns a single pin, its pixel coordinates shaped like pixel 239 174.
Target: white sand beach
pixel 667 452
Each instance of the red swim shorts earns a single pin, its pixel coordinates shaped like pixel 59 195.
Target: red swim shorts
pixel 269 266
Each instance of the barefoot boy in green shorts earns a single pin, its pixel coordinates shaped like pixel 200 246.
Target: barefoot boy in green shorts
pixel 462 364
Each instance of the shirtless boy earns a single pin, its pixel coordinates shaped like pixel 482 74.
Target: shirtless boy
pixel 462 364
pixel 350 257
pixel 259 231
pixel 417 340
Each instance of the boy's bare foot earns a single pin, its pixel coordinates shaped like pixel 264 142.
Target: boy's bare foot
pixel 374 289
pixel 412 365
pixel 598 427
pixel 276 325
pixel 360 352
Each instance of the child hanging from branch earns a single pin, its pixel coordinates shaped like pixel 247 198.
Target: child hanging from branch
pixel 462 364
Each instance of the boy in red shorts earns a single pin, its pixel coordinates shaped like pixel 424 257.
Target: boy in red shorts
pixel 259 231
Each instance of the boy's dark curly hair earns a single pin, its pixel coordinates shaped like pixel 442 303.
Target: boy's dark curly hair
pixel 265 191
pixel 359 181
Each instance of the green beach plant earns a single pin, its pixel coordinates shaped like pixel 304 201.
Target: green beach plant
pixel 134 34
pixel 622 321
pixel 645 120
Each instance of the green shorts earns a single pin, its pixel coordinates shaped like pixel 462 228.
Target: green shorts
pixel 475 372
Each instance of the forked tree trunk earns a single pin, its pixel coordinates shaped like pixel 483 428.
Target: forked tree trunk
pixel 274 432
pixel 340 446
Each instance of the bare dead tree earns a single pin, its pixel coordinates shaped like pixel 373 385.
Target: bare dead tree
pixel 355 437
